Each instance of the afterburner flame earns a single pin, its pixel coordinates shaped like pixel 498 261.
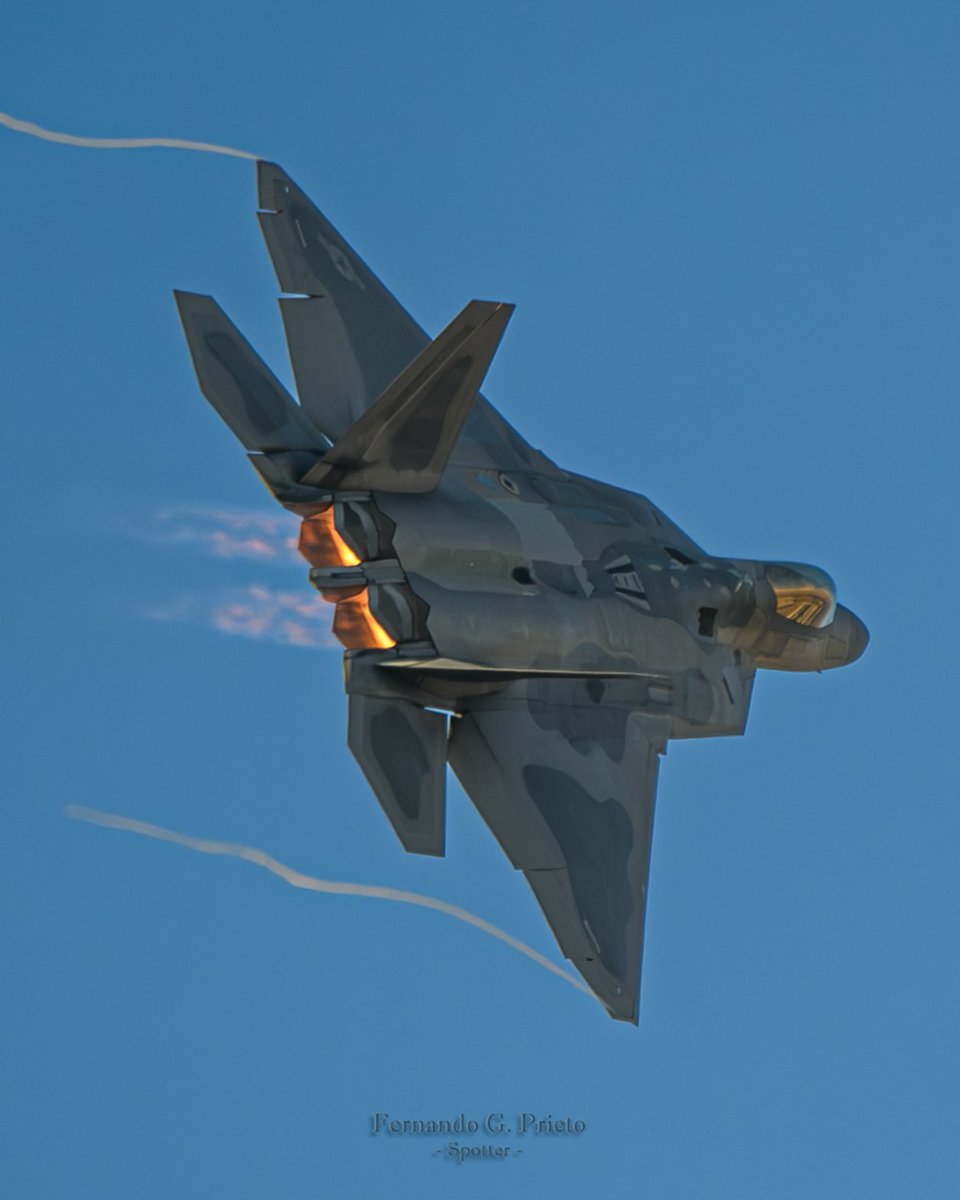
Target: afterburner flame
pixel 354 625
pixel 321 545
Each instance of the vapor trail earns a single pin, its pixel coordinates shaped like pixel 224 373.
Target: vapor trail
pixel 94 816
pixel 97 143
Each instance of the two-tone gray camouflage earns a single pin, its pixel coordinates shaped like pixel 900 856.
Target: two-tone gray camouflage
pixel 543 633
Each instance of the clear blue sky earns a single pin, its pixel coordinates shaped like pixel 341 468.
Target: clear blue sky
pixel 732 235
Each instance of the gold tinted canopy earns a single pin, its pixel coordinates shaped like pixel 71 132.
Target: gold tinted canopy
pixel 805 594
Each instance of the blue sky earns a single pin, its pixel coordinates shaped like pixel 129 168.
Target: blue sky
pixel 731 232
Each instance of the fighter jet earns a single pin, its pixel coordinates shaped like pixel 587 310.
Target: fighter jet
pixel 543 633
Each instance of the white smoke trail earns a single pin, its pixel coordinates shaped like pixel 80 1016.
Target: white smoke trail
pixel 98 143
pixel 95 816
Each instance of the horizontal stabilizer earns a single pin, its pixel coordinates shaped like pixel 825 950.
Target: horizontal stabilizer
pixel 402 443
pixel 239 385
pixel 402 750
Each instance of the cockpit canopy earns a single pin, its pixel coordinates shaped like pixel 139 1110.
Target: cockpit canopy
pixel 805 594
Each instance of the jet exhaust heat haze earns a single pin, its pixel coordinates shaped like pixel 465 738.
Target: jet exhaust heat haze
pixel 543 633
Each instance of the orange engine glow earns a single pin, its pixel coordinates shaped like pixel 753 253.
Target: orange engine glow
pixel 354 625
pixel 321 545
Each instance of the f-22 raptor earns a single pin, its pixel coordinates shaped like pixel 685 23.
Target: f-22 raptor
pixel 543 633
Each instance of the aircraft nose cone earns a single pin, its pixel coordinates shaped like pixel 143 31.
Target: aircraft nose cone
pixel 859 637
pixel 851 630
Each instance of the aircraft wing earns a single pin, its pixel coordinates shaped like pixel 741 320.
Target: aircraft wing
pixel 348 337
pixel 567 786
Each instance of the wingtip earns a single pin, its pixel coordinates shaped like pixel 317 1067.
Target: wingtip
pixel 193 302
pixel 273 185
pixel 490 305
pixel 496 313
pixel 628 1017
